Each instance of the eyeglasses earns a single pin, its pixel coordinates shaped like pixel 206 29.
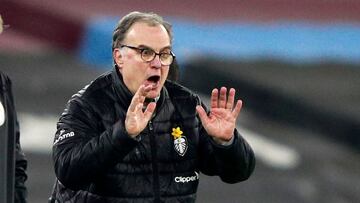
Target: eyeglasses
pixel 148 55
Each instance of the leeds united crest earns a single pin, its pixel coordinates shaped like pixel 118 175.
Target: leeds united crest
pixel 180 141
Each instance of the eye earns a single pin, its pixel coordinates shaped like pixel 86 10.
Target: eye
pixel 166 51
pixel 147 53
pixel 165 55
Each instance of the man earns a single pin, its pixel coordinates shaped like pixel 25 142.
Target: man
pixel 10 129
pixel 133 136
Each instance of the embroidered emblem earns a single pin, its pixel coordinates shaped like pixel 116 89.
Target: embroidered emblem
pixel 180 141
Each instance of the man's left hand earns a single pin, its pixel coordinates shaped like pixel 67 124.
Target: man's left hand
pixel 221 121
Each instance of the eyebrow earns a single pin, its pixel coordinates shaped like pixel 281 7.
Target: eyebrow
pixel 147 47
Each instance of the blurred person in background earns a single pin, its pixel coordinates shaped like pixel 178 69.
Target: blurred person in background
pixel 131 135
pixel 8 121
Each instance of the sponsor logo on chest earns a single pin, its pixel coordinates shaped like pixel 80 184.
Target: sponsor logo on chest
pixel 186 179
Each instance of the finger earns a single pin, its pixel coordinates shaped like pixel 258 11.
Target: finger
pixel 202 114
pixel 142 92
pixel 237 109
pixel 149 110
pixel 214 98
pixel 139 97
pixel 146 90
pixel 230 100
pixel 222 98
pixel 133 104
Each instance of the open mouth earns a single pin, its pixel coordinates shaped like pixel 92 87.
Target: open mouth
pixel 154 78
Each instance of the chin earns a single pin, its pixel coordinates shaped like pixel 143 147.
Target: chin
pixel 153 94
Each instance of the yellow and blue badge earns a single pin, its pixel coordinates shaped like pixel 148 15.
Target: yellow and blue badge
pixel 180 141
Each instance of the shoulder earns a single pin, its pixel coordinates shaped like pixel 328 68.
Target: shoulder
pixel 3 74
pixel 5 79
pixel 95 87
pixel 91 95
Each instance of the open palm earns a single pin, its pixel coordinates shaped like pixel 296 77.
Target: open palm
pixel 221 121
pixel 137 119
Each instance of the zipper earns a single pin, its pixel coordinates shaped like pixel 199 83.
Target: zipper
pixel 156 184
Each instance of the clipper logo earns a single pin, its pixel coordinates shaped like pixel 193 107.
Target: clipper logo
pixel 63 136
pixel 182 179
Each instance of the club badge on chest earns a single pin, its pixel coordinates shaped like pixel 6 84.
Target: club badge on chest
pixel 180 141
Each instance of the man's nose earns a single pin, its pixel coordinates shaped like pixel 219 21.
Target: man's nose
pixel 156 63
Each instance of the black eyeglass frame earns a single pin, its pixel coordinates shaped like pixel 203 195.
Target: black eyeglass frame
pixel 141 50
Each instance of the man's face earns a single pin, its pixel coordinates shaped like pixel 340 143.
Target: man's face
pixel 134 69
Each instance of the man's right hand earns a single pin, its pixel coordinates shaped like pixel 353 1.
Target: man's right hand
pixel 137 119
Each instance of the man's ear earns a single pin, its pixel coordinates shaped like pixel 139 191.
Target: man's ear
pixel 118 58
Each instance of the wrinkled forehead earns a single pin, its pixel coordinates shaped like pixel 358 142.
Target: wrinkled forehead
pixel 152 35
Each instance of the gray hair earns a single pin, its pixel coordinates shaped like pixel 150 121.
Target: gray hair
pixel 127 21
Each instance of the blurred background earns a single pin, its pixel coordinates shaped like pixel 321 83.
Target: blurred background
pixel 295 64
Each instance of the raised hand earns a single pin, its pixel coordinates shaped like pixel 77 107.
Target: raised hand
pixel 137 119
pixel 221 121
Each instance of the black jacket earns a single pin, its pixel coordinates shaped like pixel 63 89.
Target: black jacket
pixel 96 161
pixel 12 127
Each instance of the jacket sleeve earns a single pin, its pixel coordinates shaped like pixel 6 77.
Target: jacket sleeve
pixel 81 151
pixel 20 159
pixel 20 170
pixel 233 163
